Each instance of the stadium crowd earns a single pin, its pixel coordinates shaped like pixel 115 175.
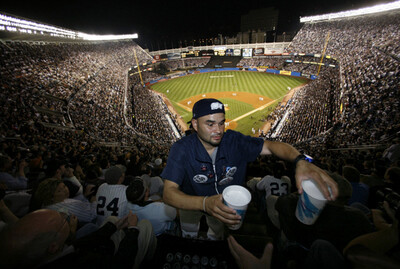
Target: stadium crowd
pixel 367 79
pixel 61 176
pixel 359 97
pixel 272 62
pixel 186 63
pixel 147 119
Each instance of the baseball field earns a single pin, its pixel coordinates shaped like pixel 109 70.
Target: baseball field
pixel 248 96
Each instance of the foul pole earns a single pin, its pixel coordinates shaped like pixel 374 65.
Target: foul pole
pixel 138 67
pixel 323 52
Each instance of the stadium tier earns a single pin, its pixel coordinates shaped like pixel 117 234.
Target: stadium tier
pixel 89 105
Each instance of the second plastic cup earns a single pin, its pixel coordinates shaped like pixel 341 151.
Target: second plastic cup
pixel 310 203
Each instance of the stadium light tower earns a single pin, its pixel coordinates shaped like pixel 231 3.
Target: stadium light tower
pixel 24 26
pixel 351 13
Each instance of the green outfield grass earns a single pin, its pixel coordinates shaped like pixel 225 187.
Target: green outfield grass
pixel 267 85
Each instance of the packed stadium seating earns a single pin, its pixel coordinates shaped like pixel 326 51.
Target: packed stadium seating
pixel 223 61
pixel 361 94
pixel 84 103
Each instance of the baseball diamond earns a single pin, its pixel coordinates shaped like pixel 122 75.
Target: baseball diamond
pixel 248 96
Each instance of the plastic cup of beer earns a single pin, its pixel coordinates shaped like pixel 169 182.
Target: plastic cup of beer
pixel 310 203
pixel 238 198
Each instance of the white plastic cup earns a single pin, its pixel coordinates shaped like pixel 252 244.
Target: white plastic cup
pixel 238 198
pixel 310 203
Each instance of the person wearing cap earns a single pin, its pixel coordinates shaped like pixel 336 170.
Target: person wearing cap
pixel 111 197
pixel 157 167
pixel 201 165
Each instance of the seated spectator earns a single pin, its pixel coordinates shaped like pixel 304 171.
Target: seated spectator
pixel 366 167
pixel 379 248
pixel 74 185
pixel 17 182
pixel 104 164
pixel 277 184
pixel 360 190
pixel 53 194
pixel 18 202
pixel 55 168
pixel 157 167
pixel 271 186
pixel 93 175
pixel 375 178
pixel 392 153
pixel 46 234
pixel 78 171
pixel 389 184
pixel 160 215
pixel 321 254
pixel 154 183
pixel 111 197
pixel 392 179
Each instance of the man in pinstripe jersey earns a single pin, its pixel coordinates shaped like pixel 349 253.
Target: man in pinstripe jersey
pixel 111 197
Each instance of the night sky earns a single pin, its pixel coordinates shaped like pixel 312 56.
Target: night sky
pixel 168 22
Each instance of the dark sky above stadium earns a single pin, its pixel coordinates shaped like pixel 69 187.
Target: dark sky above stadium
pixel 167 22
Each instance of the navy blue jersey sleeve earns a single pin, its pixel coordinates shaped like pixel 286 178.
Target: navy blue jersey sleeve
pixel 248 147
pixel 174 170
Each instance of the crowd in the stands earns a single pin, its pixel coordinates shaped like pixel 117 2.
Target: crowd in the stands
pixel 83 144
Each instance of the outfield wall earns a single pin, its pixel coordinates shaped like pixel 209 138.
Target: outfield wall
pixel 208 70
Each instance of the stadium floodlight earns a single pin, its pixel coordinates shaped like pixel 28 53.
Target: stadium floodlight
pixel 12 24
pixel 351 13
pixel 106 37
pixel 25 26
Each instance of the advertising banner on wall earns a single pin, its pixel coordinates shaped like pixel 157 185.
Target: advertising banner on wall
pixel 219 50
pixel 229 52
pixel 237 52
pixel 247 52
pixel 191 53
pixel 206 53
pixel 258 51
pixel 172 56
pixel 284 72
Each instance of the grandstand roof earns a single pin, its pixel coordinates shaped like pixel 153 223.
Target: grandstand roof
pixel 163 22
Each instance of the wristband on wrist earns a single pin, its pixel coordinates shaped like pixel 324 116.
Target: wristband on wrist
pixel 299 158
pixel 204 203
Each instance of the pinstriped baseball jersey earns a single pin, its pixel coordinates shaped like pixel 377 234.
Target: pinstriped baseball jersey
pixel 83 210
pixel 111 201
pixel 274 186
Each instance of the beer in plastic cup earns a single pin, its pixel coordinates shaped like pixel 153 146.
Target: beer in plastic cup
pixel 238 198
pixel 310 203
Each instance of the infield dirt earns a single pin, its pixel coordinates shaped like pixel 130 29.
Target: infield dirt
pixel 255 100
